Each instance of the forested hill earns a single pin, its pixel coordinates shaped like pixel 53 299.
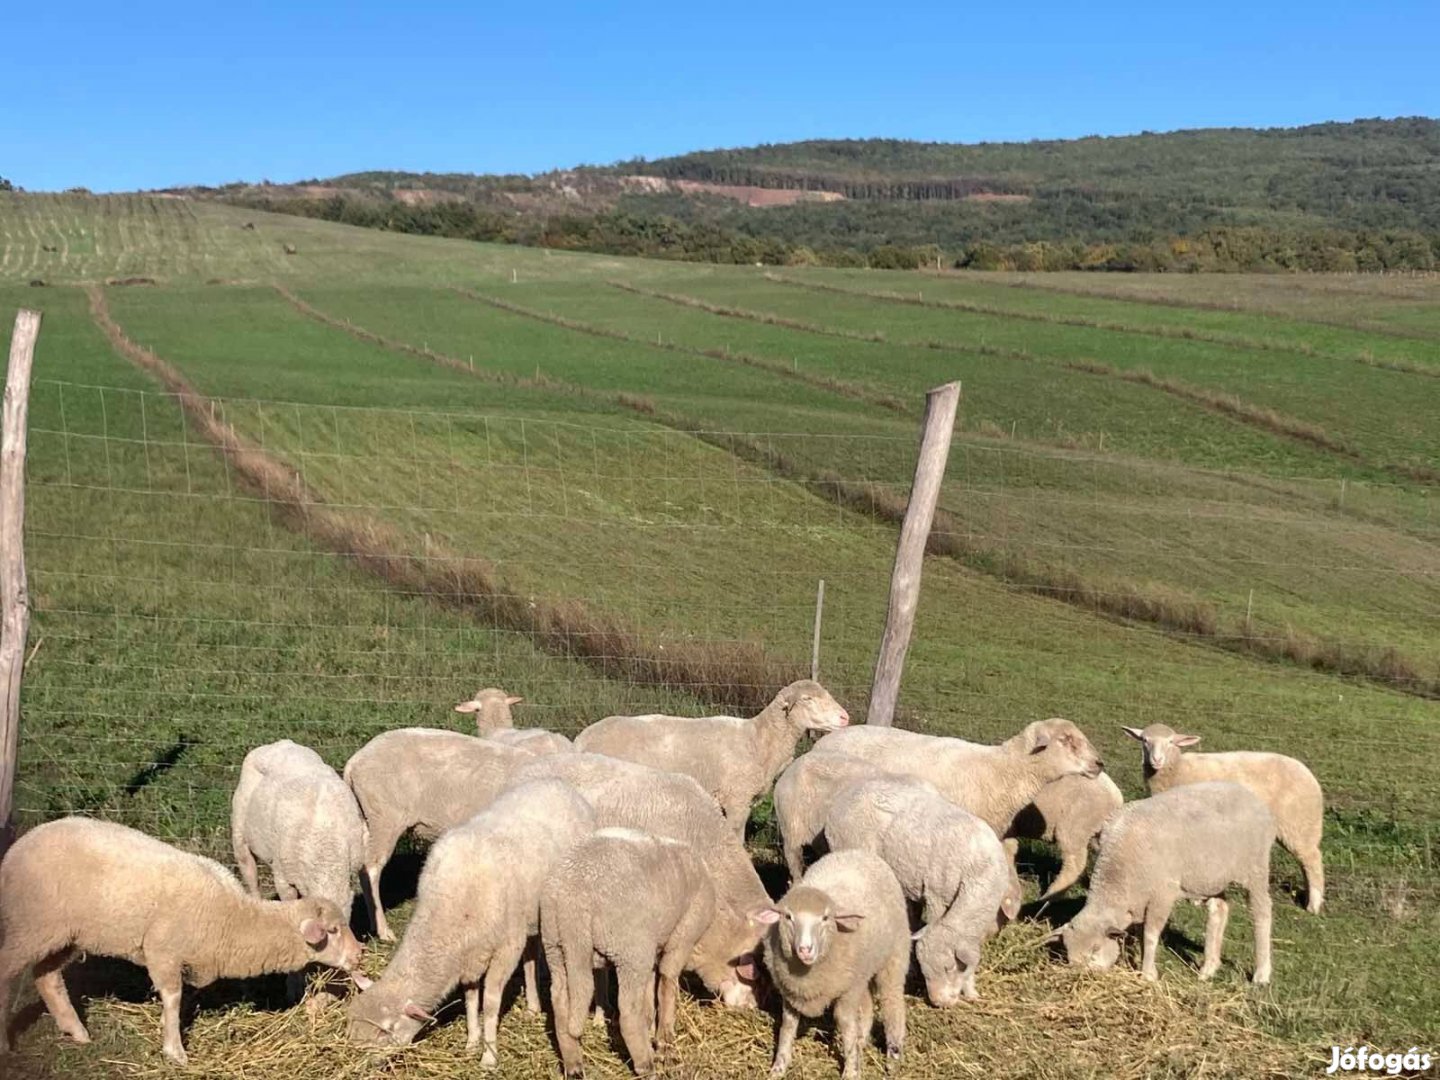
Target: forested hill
pixel 1338 196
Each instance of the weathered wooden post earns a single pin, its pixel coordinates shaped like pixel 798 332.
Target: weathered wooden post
pixel 815 642
pixel 939 423
pixel 14 600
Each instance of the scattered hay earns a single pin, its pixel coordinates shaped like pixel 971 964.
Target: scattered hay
pixel 1038 1018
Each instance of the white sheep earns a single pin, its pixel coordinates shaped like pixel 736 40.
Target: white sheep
pixel 993 782
pixel 1069 812
pixel 1286 785
pixel 78 885
pixel 494 721
pixel 803 795
pixel 1191 843
pixel 477 905
pixel 946 859
pixel 840 937
pixel 423 780
pixel 735 760
pixel 639 901
pixel 626 795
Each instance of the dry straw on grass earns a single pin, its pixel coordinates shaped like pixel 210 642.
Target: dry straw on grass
pixel 1038 1018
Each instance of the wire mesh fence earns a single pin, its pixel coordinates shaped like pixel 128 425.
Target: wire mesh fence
pixel 349 570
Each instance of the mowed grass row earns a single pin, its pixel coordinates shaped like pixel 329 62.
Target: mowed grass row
pixel 1382 415
pixel 177 625
pixel 1120 524
pixel 668 531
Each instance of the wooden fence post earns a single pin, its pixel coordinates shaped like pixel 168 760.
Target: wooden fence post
pixel 14 600
pixel 815 643
pixel 939 423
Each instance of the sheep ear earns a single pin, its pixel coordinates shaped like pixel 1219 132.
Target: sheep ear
pixel 513 700
pixel 1185 740
pixel 1041 741
pixel 313 931
pixel 361 981
pixel 849 922
pixel 1133 732
pixel 1011 907
pixel 415 1012
pixel 468 706
pixel 744 965
pixel 765 916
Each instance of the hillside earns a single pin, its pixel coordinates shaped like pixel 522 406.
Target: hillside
pixel 1328 197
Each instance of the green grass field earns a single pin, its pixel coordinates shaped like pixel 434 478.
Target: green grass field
pixel 683 463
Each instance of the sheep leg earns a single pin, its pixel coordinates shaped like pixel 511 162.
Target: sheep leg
pixel 283 889
pixel 472 1015
pixel 1218 914
pixel 249 872
pixel 1260 916
pixel 50 982
pixel 890 988
pixel 637 1014
pixel 567 1042
pixel 167 979
pixel 794 861
pixel 1314 878
pixel 532 981
pixel 379 846
pixel 849 1011
pixel 502 965
pixel 737 813
pixel 785 1041
pixel 604 1002
pixel 1156 916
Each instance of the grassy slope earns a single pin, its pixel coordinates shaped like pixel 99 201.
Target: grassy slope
pixel 234 631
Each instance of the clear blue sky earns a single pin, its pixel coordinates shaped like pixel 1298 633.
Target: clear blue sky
pixel 119 96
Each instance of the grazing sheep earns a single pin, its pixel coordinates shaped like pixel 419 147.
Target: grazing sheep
pixel 803 795
pixel 735 760
pixel 993 782
pixel 1069 812
pixel 491 707
pixel 82 886
pixel 478 903
pixel 425 780
pixel 1286 785
pixel 639 901
pixel 627 795
pixel 837 937
pixel 945 858
pixel 1188 843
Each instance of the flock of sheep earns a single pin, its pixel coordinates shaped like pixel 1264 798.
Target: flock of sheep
pixel 626 849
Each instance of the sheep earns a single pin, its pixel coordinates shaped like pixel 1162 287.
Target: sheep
pixel 624 794
pixel 837 937
pixel 77 885
pixel 803 795
pixel 735 760
pixel 477 905
pixel 993 782
pixel 1069 812
pixel 1190 842
pixel 945 858
pixel 1286 785
pixel 425 780
pixel 493 721
pixel 629 897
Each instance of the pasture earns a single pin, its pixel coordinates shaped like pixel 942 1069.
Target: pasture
pixel 611 485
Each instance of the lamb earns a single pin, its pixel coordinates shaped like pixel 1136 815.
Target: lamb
pixel 77 885
pixel 493 721
pixel 478 903
pixel 837 937
pixel 626 795
pixel 1288 788
pixel 425 780
pixel 945 858
pixel 1069 812
pixel 735 760
pixel 629 897
pixel 993 782
pixel 1190 842
pixel 803 795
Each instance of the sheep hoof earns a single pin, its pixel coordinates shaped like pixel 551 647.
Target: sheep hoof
pixel 488 1059
pixel 77 1034
pixel 386 934
pixel 177 1055
pixel 1151 975
pixel 1207 974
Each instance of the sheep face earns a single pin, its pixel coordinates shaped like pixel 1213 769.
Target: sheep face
pixel 724 959
pixel 491 707
pixel 803 924
pixel 375 1021
pixel 809 707
pixel 1092 942
pixel 1068 750
pixel 327 931
pixel 944 960
pixel 1161 744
